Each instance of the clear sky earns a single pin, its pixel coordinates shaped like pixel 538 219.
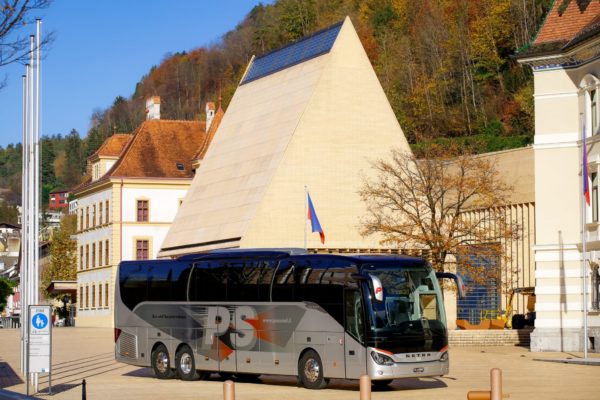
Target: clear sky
pixel 103 48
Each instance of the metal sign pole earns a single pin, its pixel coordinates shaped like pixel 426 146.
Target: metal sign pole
pixel 40 343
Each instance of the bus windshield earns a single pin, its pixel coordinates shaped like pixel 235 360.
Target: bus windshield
pixel 409 316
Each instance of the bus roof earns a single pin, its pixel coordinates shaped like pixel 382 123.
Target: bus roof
pixel 286 252
pixel 229 253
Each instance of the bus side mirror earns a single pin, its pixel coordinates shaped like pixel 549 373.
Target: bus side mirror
pixel 460 286
pixel 376 286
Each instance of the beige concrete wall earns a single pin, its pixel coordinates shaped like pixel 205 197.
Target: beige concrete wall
pixel 347 124
pixel 558 194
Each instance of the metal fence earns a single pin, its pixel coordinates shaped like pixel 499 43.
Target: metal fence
pixel 10 322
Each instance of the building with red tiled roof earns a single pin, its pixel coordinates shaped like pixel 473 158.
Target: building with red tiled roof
pixel 134 186
pixel 565 58
pixel 569 25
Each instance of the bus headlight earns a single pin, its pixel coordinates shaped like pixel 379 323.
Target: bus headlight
pixel 381 359
pixel 444 356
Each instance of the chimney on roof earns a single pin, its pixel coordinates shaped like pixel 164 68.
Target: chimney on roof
pixel 210 114
pixel 153 108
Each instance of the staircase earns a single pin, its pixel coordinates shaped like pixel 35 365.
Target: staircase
pixel 492 337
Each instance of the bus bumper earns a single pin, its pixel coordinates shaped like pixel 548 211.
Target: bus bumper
pixel 405 369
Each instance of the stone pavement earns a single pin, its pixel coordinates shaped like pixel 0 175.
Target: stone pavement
pixel 80 353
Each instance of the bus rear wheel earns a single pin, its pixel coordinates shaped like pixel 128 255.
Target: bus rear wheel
pixel 185 364
pixel 161 362
pixel 310 370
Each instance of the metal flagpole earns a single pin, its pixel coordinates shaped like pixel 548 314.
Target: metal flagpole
pixel 32 205
pixel 305 216
pixel 36 181
pixel 583 240
pixel 36 293
pixel 23 279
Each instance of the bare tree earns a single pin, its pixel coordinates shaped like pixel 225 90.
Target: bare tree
pixel 450 203
pixel 14 16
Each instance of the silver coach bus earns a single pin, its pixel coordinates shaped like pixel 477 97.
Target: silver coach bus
pixel 243 313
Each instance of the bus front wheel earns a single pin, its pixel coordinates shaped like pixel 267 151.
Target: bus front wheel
pixel 310 369
pixel 185 364
pixel 161 362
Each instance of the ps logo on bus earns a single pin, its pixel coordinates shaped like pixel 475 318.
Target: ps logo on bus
pixel 235 322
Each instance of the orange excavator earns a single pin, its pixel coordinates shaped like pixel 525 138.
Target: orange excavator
pixel 505 318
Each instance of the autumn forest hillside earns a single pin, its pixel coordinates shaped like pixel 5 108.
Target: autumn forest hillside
pixel 445 65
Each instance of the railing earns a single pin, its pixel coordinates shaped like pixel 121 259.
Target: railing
pixel 10 322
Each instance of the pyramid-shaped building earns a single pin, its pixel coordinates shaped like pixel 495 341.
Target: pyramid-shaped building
pixel 311 114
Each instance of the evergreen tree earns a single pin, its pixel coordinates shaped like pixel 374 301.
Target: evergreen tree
pixel 75 164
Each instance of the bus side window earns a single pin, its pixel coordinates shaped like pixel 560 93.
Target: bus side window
pixel 134 284
pixel 242 280
pixel 179 281
pixel 354 314
pixel 208 282
pixel 265 278
pixel 159 282
pixel 285 281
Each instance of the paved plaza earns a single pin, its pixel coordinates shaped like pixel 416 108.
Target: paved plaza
pixel 80 353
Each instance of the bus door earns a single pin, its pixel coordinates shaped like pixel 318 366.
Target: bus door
pixel 226 338
pixel 354 336
pixel 215 351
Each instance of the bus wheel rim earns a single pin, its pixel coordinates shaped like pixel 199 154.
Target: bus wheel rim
pixel 312 370
pixel 162 362
pixel 185 363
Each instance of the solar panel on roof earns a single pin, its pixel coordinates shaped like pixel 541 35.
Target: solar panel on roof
pixel 309 47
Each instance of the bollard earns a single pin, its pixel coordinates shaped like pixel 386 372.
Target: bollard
pixel 228 390
pixel 83 394
pixel 496 388
pixel 365 387
pixel 496 383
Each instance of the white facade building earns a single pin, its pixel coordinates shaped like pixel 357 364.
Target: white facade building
pixel 135 186
pixel 566 66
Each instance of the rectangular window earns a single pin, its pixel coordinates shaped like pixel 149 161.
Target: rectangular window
pixel 80 297
pixel 93 215
pixel 142 210
pixel 595 197
pixel 81 221
pixel 93 296
pixel 107 212
pixel 87 296
pixel 80 257
pixel 87 218
pixel 87 256
pixel 93 255
pixel 106 259
pixel 100 253
pixel 594 110
pixel 106 294
pixel 99 213
pixel 141 249
pixel 100 295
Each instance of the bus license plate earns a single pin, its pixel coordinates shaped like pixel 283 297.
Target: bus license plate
pixel 418 369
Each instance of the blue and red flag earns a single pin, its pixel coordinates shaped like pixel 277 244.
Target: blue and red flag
pixel 586 185
pixel 314 221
